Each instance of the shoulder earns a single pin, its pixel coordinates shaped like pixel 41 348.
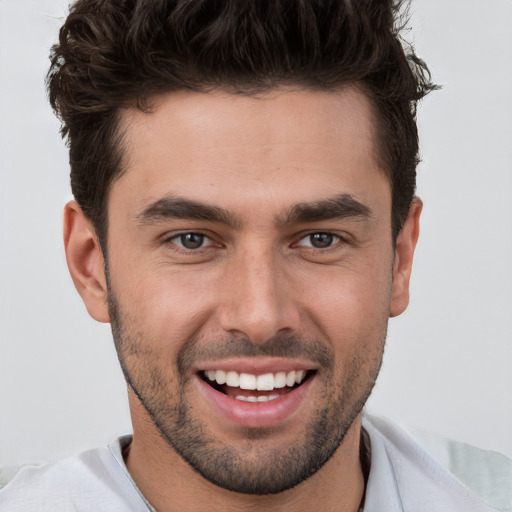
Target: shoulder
pixel 429 468
pixel 92 481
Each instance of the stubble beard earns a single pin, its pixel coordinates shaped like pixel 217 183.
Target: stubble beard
pixel 257 468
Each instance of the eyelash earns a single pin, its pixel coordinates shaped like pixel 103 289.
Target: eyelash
pixel 334 240
pixel 175 239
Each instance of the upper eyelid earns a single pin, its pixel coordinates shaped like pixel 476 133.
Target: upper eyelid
pixel 305 234
pixel 213 241
pixel 297 238
pixel 176 234
pixel 334 235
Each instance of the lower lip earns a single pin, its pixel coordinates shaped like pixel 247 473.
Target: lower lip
pixel 256 414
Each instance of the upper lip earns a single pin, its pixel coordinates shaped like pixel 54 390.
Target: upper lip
pixel 257 366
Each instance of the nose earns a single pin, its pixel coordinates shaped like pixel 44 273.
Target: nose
pixel 258 297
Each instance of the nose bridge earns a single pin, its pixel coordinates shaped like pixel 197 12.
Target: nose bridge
pixel 257 302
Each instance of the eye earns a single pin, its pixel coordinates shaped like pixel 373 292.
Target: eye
pixel 319 240
pixel 191 241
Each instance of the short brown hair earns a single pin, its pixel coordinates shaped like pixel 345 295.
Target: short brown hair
pixel 114 54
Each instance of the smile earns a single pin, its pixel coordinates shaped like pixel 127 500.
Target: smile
pixel 265 382
pixel 248 387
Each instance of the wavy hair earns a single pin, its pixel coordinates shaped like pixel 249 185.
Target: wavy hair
pixel 114 54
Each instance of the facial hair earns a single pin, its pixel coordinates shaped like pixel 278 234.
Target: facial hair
pixel 162 384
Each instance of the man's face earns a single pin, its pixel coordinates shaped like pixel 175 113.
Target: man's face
pixel 250 240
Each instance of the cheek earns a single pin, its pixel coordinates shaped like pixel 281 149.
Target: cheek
pixel 167 304
pixel 349 306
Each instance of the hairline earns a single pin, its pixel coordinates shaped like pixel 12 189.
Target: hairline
pixel 149 103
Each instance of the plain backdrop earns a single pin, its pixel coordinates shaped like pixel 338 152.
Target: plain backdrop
pixel 447 366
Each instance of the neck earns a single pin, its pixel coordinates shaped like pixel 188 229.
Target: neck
pixel 170 484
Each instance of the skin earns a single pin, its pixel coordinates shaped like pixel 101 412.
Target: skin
pixel 256 278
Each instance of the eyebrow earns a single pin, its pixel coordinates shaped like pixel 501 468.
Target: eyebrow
pixel 343 206
pixel 181 208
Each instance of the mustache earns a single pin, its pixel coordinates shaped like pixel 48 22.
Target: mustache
pixel 240 346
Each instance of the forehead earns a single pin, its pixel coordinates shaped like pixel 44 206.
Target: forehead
pixel 218 147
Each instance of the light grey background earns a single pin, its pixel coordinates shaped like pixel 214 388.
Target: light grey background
pixel 448 361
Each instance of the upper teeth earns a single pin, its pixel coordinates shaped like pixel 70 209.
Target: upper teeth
pixel 265 382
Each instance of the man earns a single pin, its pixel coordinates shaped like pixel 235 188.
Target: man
pixel 244 176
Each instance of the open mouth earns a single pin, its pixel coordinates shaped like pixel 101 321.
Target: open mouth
pixel 248 387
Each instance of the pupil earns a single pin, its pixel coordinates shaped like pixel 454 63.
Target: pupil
pixel 192 240
pixel 321 240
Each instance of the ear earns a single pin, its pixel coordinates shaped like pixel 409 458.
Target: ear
pixel 402 265
pixel 85 261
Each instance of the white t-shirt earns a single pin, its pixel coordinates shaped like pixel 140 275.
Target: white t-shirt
pixel 409 472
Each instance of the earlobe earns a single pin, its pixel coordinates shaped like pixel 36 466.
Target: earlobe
pixel 85 261
pixel 404 253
